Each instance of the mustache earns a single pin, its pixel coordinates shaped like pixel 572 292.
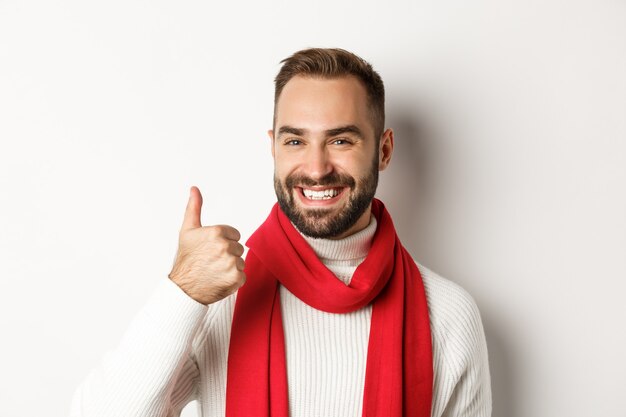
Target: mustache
pixel 332 179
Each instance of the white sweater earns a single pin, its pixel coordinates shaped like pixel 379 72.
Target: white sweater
pixel 176 351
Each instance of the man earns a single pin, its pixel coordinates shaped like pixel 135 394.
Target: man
pixel 335 318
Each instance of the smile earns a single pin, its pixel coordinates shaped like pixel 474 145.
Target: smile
pixel 321 194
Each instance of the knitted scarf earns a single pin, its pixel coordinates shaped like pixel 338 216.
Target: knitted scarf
pixel 399 371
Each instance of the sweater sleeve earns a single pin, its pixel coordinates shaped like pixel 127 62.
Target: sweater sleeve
pixel 471 395
pixel 462 385
pixel 152 372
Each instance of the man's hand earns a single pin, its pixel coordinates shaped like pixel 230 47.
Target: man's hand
pixel 208 265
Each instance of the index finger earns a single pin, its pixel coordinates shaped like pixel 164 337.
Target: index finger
pixel 228 232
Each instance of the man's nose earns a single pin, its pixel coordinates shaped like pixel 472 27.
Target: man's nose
pixel 318 163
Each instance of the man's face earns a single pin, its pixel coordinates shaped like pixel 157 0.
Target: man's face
pixel 326 157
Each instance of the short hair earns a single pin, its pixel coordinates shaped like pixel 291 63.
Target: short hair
pixel 335 63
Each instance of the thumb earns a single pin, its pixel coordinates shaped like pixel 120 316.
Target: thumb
pixel 192 212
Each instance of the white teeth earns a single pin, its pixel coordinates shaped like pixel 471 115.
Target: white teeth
pixel 320 195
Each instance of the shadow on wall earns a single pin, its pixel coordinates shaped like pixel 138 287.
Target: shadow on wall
pixel 409 189
pixel 502 366
pixel 402 187
pixel 407 185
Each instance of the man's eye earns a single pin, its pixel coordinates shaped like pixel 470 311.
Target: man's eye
pixel 293 142
pixel 341 142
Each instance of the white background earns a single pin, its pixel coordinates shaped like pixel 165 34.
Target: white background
pixel 509 175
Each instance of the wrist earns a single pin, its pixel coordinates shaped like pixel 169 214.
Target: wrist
pixel 186 288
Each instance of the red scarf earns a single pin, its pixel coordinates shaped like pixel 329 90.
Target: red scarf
pixel 399 370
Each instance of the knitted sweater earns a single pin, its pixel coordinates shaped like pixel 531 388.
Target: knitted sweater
pixel 176 351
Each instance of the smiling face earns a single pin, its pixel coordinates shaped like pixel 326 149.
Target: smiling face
pixel 326 157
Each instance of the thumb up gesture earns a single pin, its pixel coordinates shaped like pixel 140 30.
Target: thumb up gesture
pixel 208 265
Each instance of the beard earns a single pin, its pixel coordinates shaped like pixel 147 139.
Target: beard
pixel 322 222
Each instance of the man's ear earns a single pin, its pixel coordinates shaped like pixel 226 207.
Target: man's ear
pixel 270 133
pixel 385 149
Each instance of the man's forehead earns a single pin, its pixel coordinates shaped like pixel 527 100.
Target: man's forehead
pixel 319 104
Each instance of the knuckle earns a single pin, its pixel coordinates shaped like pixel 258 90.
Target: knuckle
pixel 240 264
pixel 237 249
pixel 222 247
pixel 236 234
pixel 230 232
pixel 232 263
pixel 212 231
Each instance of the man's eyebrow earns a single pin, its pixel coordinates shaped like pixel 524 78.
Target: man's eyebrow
pixel 291 131
pixel 344 129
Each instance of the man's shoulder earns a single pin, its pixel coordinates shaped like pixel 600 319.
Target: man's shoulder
pixel 453 311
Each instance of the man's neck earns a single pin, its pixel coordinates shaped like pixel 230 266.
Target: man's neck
pixel 351 248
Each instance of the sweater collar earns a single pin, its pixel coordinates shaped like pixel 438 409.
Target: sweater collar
pixel 352 247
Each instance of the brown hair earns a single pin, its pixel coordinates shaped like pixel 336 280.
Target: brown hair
pixel 335 63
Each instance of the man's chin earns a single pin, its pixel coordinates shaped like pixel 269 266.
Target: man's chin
pixel 315 230
pixel 314 211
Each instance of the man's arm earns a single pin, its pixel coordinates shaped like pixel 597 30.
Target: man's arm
pixel 471 396
pixel 462 386
pixel 152 372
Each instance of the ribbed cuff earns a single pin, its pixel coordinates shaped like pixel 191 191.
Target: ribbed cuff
pixel 175 313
